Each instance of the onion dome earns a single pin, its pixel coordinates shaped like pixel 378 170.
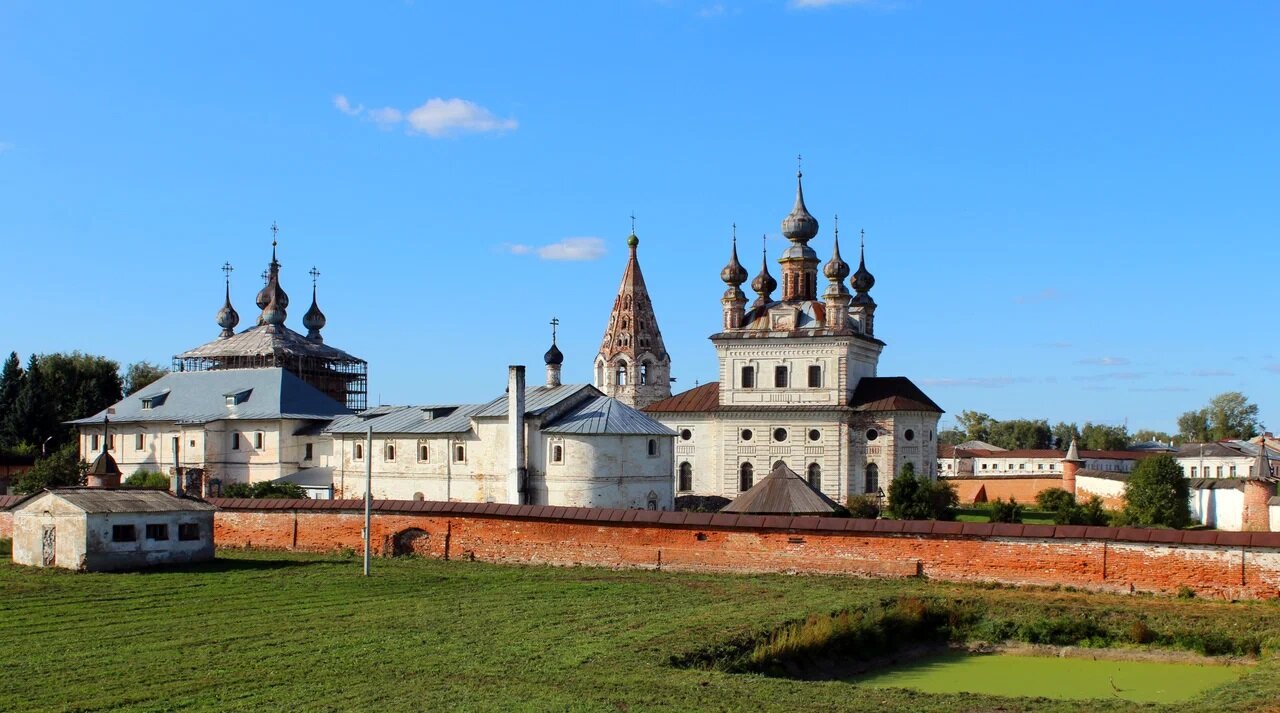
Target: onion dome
pixel 273 278
pixel 734 274
pixel 764 284
pixel 863 280
pixel 553 356
pixel 274 314
pixel 632 241
pixel 227 317
pixel 799 225
pixel 314 319
pixel 836 269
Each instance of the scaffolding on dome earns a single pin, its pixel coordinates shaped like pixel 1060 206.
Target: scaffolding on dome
pixel 343 377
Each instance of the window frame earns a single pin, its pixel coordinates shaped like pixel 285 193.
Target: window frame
pixel 156 532
pixel 781 377
pixel 748 377
pixel 124 533
pixel 815 375
pixel 185 530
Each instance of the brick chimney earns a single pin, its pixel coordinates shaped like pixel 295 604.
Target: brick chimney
pixel 515 441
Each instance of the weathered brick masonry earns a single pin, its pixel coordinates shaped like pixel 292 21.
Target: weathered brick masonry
pixel 1234 565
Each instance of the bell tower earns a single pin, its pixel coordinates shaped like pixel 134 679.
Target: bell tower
pixel 633 365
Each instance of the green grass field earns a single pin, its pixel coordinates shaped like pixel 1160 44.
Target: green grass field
pixel 282 631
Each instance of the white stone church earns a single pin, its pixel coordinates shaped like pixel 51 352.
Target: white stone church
pixel 799 384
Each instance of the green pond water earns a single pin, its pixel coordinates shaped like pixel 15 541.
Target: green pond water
pixel 1052 677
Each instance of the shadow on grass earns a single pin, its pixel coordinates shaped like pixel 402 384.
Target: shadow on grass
pixel 220 564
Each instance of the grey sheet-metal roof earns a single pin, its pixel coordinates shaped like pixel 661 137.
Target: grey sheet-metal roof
pixel 536 400
pixel 408 419
pixel 605 415
pixel 201 397
pixel 124 500
pixel 318 477
pixel 262 340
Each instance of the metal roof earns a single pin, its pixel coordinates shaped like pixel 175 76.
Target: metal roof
pixel 200 397
pixel 537 400
pixel 110 500
pixel 407 419
pixel 696 400
pixel 263 340
pixel 890 393
pixel 605 415
pixel 782 492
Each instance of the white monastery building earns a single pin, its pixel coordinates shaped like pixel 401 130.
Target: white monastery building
pixel 799 383
pixel 270 404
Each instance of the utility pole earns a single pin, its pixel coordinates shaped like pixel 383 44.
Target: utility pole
pixel 368 494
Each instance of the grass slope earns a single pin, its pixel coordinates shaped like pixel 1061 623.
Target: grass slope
pixel 277 631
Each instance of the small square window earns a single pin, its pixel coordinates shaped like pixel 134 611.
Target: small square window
pixel 189 531
pixel 123 533
pixel 157 531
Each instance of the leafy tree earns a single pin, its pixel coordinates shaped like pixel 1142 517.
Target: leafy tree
pixel 147 479
pixel 1062 433
pixel 61 468
pixel 913 497
pixel 1147 435
pixel 976 425
pixel 141 374
pixel 1020 433
pixel 1228 415
pixel 1004 511
pixel 1193 426
pixel 952 437
pixel 1157 494
pixel 264 489
pixel 1066 511
pixel 1101 437
pixel 863 506
pixel 80 384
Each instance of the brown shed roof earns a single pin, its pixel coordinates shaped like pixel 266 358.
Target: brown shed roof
pixel 782 492
pixel 890 393
pixel 699 398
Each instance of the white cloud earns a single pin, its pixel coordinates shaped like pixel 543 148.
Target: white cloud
pixel 569 249
pixel 1045 295
pixel 437 117
pixel 985 382
pixel 811 4
pixel 386 117
pixel 1213 372
pixel 573 249
pixel 1105 361
pixel 345 107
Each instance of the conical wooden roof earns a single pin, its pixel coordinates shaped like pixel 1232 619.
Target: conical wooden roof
pixel 782 492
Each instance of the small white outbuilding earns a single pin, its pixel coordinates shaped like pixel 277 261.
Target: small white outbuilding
pixel 100 529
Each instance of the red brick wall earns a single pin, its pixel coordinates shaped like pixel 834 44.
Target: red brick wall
pixel 1218 564
pixel 985 490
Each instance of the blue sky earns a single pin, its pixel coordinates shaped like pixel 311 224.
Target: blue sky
pixel 1070 207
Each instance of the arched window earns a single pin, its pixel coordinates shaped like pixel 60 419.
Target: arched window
pixel 780 377
pixel 424 452
pixel 815 376
pixel 624 322
pixel 644 374
pixel 358 451
pixel 620 374
pixel 557 454
pixel 746 477
pixel 872 486
pixel 686 477
pixel 748 377
pixel 626 302
pixel 459 453
pixel 389 451
pixel 653 446
pixel 815 476
pixel 419 497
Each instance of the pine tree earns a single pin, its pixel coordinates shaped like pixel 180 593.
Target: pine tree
pixel 11 381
